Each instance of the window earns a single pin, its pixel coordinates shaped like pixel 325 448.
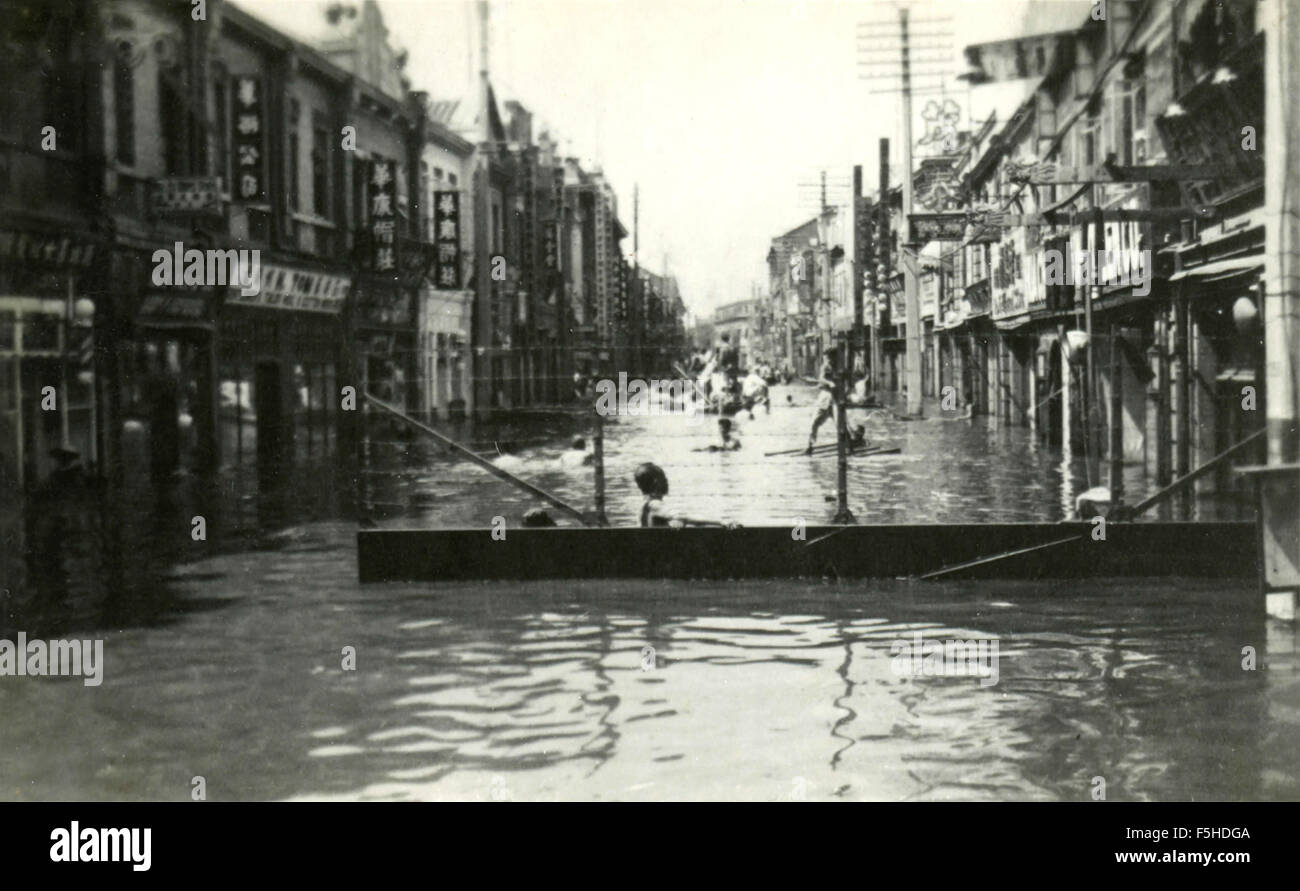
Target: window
pixel 124 111
pixel 295 198
pixel 172 126
pixel 320 165
pixel 451 178
pixel 437 173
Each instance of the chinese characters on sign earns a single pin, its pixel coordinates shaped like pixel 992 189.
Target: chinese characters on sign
pixel 446 210
pixel 383 216
pixel 247 140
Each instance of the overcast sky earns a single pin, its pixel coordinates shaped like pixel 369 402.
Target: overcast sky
pixel 718 109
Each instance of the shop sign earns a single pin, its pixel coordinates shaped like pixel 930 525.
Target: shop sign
pixel 186 195
pixel 178 307
pixel 54 251
pixel 246 139
pixel 382 211
pixel 446 206
pixel 295 289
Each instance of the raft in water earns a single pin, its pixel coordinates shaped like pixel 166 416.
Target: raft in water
pixel 1207 550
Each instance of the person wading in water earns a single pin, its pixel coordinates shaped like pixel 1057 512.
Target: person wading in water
pixel 826 387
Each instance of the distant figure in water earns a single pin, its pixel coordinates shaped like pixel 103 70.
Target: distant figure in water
pixel 726 443
pixel 538 518
pixel 576 455
pixel 754 392
pixel 858 437
pixel 507 459
pixel 653 483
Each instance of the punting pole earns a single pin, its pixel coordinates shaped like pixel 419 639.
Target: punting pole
pixel 482 462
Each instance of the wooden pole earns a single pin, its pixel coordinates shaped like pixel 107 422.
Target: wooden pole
pixel 1116 448
pixel 482 462
pixel 843 516
pixel 908 251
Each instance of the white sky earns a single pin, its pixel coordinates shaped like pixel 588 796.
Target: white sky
pixel 718 109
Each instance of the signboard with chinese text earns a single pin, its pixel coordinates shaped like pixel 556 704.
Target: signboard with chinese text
pixel 287 288
pixel 186 195
pixel 246 141
pixel 382 216
pixel 446 216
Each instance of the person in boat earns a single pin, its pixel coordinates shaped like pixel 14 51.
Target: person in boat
pixel 576 455
pixel 726 443
pixel 825 395
pixel 754 392
pixel 653 483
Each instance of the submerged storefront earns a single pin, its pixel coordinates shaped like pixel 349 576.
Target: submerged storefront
pixel 47 383
pixel 281 365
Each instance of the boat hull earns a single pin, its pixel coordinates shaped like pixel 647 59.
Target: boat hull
pixel 1208 550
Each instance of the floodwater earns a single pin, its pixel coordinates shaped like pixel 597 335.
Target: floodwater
pixel 224 659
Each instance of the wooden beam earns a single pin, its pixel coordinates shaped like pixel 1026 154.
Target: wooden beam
pixel 483 462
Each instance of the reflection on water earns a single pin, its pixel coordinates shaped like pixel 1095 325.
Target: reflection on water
pixel 767 690
pixel 223 658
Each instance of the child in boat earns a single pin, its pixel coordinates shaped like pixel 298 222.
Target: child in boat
pixel 728 443
pixel 653 483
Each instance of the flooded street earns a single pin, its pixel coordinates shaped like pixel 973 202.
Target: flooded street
pixel 223 658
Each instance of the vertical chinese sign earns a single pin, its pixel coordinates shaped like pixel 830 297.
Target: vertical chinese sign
pixel 250 184
pixel 447 239
pixel 383 217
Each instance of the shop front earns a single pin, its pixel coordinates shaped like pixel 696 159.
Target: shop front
pixel 282 363
pixel 47 383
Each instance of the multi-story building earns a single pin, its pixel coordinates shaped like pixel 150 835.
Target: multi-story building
pixel 1151 352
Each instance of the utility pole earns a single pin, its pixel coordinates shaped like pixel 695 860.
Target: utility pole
pixel 908 252
pixel 860 261
pixel 882 281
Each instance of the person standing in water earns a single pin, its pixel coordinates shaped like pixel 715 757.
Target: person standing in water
pixel 826 388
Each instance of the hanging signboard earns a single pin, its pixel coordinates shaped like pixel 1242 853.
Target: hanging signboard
pixel 446 207
pixel 186 195
pixel 382 216
pixel 247 141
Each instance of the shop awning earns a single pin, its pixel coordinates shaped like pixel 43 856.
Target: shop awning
pixel 1221 269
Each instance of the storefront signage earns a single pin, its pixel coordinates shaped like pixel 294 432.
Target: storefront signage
pixel 446 208
pixel 383 217
pixel 178 308
pixel 297 289
pixel 184 195
pixel 55 251
pixel 247 139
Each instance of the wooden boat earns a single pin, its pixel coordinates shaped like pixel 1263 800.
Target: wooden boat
pixel 1050 550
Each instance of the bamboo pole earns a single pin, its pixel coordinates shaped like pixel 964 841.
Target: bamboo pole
pixel 482 462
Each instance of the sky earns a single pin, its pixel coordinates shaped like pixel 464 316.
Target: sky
pixel 722 112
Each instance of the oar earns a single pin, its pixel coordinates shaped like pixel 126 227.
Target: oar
pixel 865 453
pixel 484 463
pixel 981 561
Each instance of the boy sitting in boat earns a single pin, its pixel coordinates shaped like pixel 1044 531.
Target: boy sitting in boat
pixel 653 483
